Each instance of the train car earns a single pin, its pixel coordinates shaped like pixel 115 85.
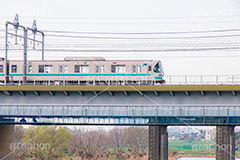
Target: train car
pixel 86 70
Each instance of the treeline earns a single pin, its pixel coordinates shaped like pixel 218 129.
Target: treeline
pixel 52 142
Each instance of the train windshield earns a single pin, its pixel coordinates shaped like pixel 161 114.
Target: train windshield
pixel 158 68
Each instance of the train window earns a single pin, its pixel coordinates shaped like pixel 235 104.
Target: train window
pixel 149 68
pixel 102 69
pixel 113 69
pixel 97 69
pixel 45 69
pixel 118 68
pixel 1 68
pixel 139 69
pixel 156 68
pixel 76 68
pixel 29 69
pixel 133 69
pixel 14 68
pixel 65 69
pixel 81 68
pixel 41 69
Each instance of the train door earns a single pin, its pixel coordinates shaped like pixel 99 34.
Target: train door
pixel 101 72
pixel 133 69
pixel 62 69
pixel 138 71
pixel 149 72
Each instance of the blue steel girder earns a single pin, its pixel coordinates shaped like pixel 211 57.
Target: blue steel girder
pixel 123 114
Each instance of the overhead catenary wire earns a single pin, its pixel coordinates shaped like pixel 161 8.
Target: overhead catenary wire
pixel 144 46
pixel 154 33
pixel 141 50
pixel 139 23
pixel 130 44
pixel 182 37
pixel 136 50
pixel 109 18
pixel 134 44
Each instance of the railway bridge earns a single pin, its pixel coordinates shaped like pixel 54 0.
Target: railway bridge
pixel 192 103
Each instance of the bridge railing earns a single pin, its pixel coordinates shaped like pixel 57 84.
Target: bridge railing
pixel 133 114
pixel 169 80
pixel 202 79
pixel 127 110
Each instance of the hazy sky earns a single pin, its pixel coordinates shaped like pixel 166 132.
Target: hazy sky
pixel 137 16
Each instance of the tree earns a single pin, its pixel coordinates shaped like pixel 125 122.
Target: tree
pixel 237 138
pixel 88 144
pixel 18 133
pixel 18 136
pixel 46 142
pixel 137 140
pixel 118 141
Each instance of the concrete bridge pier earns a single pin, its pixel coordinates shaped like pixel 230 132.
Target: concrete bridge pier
pixel 158 143
pixel 225 143
pixel 6 140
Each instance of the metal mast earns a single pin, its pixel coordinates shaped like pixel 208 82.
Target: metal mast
pixel 16 26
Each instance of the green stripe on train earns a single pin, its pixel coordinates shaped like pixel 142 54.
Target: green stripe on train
pixel 15 74
pixel 158 77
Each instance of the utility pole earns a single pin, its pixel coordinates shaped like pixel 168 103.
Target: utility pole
pixel 25 57
pixel 35 31
pixel 16 26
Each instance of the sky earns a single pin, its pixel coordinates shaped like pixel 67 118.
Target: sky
pixel 134 16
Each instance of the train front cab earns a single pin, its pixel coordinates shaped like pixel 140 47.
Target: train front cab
pixel 158 72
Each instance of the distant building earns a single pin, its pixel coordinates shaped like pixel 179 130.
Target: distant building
pixel 174 136
pixel 210 134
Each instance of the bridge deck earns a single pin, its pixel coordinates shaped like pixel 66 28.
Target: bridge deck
pixel 117 105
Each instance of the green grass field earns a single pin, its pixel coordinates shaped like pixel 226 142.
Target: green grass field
pixel 195 148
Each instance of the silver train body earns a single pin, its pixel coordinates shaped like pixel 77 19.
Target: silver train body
pixel 87 70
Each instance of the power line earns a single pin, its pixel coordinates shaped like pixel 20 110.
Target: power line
pixel 99 37
pixel 134 23
pixel 120 18
pixel 127 44
pixel 141 50
pixel 141 46
pixel 133 44
pixel 206 31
